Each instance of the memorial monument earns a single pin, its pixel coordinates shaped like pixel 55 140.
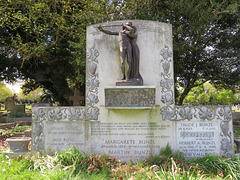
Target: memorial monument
pixel 132 121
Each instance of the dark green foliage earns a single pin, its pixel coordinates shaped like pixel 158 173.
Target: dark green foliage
pixel 4 92
pixel 165 157
pixel 44 42
pixel 74 165
pixel 78 161
pixel 16 115
pixel 206 38
pixel 216 165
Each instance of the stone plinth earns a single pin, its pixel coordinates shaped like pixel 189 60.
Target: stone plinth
pixel 129 97
pixel 133 82
pixel 18 144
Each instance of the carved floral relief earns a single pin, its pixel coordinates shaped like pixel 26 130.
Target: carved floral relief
pixel 92 85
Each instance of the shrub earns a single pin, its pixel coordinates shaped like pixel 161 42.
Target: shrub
pixel 16 115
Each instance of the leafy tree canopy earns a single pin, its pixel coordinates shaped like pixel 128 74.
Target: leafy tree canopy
pixel 4 92
pixel 206 39
pixel 43 42
pixel 207 94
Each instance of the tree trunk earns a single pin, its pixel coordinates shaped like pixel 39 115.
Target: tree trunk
pixel 183 95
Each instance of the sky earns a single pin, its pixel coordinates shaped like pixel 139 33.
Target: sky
pixel 14 87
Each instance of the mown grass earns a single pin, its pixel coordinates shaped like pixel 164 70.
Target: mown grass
pixel 73 164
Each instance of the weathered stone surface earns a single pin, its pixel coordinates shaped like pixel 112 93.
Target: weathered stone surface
pixel 41 105
pixel 18 144
pixel 10 105
pixel 129 97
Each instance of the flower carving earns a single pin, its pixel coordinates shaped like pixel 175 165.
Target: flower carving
pixel 92 84
pixel 205 113
pixel 92 54
pixel 166 113
pixel 165 52
pixel 226 145
pixel 55 114
pixel 75 113
pixel 166 83
pixel 167 98
pixel 186 113
pixel 166 67
pixel 92 113
pixel 225 128
pixel 226 112
pixel 37 115
pixel 91 99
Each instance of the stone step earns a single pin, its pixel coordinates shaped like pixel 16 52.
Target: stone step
pixel 23 119
pixel 11 125
pixel 18 134
pixel 28 133
pixel 7 125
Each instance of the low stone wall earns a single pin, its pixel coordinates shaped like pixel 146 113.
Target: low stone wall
pixel 24 119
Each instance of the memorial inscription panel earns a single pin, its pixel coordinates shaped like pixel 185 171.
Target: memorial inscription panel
pixel 120 97
pixel 196 139
pixel 135 140
pixel 62 134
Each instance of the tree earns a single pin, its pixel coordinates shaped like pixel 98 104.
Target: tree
pixel 206 39
pixel 43 42
pixel 207 94
pixel 33 96
pixel 4 92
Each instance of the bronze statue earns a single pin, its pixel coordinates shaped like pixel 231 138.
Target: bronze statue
pixel 128 48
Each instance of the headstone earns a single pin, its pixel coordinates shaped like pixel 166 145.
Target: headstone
pixel 9 102
pixel 76 99
pixel 10 105
pixel 18 108
pixel 132 121
pixel 41 105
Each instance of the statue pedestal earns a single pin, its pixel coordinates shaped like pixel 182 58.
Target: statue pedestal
pixel 131 82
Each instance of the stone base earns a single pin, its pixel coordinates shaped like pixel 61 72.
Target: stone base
pixel 131 82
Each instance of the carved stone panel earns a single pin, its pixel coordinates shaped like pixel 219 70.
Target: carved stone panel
pixel 129 97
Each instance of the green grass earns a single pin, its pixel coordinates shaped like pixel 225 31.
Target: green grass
pixel 236 131
pixel 73 164
pixel 17 128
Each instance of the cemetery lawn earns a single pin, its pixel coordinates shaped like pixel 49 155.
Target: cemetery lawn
pixel 74 165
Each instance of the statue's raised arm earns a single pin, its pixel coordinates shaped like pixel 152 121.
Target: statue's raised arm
pixel 100 28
